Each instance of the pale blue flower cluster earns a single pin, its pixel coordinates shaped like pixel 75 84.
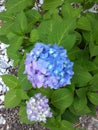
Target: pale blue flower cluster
pixel 38 109
pixel 48 66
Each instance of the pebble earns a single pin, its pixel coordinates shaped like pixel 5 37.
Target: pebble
pixel 2 120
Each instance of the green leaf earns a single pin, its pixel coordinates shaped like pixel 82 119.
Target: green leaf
pixel 32 16
pixel 84 23
pixel 81 77
pixel 81 92
pixel 45 91
pixel 69 116
pixel 89 65
pixel 61 34
pixel 6 28
pixel 14 6
pixel 93 49
pixel 92 108
pixel 96 60
pixel 34 36
pixel 25 84
pixel 94 83
pixel 64 35
pixel 13 49
pixel 84 111
pixel 4 39
pixel 11 81
pixel 48 4
pixel 23 94
pixel 69 41
pixel 79 103
pixel 12 98
pixel 62 96
pixel 45 29
pixel 73 53
pixel 69 11
pixel 52 124
pixel 21 22
pixel 23 115
pixel 66 125
pixel 5 17
pixel 93 97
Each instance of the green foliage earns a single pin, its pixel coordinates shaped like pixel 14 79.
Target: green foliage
pixel 81 77
pixel 51 4
pixel 25 84
pixel 23 115
pixel 93 97
pixel 14 6
pixel 69 116
pixel 69 24
pixel 66 125
pixel 13 98
pixel 11 81
pixel 62 96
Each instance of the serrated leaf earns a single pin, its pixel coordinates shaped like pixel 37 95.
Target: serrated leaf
pixel 4 39
pixel 86 110
pixel 33 15
pixel 69 41
pixel 6 28
pixel 64 35
pixel 25 84
pixel 93 49
pixel 45 91
pixel 79 103
pixel 23 94
pixel 62 96
pixel 21 22
pixel 69 116
pixel 61 34
pixel 48 4
pixel 66 125
pixel 89 65
pixel 81 77
pixel 69 11
pixel 34 36
pixel 93 97
pixel 12 98
pixel 11 81
pixel 92 108
pixel 14 6
pixel 84 23
pixel 23 115
pixel 94 83
pixel 45 29
pixel 13 49
pixel 81 92
pixel 52 123
pixel 5 17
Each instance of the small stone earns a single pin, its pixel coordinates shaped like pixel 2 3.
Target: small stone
pixel 2 120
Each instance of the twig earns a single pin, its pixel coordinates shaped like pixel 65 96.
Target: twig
pixel 78 124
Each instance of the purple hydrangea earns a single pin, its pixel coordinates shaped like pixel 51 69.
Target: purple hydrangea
pixel 38 109
pixel 48 66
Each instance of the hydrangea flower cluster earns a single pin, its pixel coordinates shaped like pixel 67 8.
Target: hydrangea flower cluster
pixel 38 108
pixel 48 66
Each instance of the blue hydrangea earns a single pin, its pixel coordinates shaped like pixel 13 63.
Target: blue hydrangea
pixel 38 109
pixel 48 66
